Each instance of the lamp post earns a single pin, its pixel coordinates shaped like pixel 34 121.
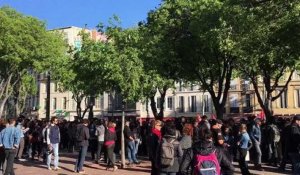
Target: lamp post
pixel 48 96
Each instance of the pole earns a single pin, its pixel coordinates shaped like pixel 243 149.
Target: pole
pixel 122 138
pixel 48 97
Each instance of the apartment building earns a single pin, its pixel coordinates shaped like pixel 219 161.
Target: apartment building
pixel 185 100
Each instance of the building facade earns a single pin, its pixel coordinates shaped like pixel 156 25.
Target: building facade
pixel 184 100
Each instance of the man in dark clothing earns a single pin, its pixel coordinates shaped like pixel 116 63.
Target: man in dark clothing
pixel 129 137
pixel 83 143
pixel 294 147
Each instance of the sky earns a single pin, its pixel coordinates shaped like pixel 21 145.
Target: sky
pixel 63 13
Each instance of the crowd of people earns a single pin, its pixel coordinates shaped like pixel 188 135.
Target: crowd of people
pixel 174 147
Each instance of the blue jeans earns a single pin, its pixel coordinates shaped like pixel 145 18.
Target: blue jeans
pixel 137 144
pixel 131 152
pixel 258 154
pixel 81 158
pixel 56 158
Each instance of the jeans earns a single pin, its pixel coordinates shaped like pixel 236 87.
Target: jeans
pixel 242 162
pixel 131 152
pixel 258 154
pixel 99 149
pixel 56 158
pixel 10 155
pixel 81 158
pixel 110 155
pixel 21 148
pixel 137 144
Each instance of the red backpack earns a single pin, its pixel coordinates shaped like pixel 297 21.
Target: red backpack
pixel 207 165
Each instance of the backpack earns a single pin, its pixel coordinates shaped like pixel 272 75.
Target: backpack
pixel 80 134
pixel 167 153
pixel 275 133
pixel 207 165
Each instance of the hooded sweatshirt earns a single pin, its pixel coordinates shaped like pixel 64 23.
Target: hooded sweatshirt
pixel 203 147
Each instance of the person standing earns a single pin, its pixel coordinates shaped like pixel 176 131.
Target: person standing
pixel 255 135
pixel 53 139
pixel 110 142
pixel 83 137
pixel 22 141
pixel 130 144
pixel 153 142
pixel 10 139
pixel 294 147
pixel 244 144
pixel 168 139
pixel 100 133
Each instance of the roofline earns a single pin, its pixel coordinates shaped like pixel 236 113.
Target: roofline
pixel 67 27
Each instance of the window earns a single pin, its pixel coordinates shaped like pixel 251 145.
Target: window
pixel 234 104
pixel 297 98
pixel 53 103
pixel 181 104
pixel 248 100
pixel 97 102
pixel 158 102
pixel 234 100
pixel 54 87
pixel 102 102
pixel 170 103
pixel 205 103
pixel 64 103
pixel 192 104
pixel 283 99
pixel 45 103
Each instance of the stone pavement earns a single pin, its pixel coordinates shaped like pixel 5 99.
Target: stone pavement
pixel 67 161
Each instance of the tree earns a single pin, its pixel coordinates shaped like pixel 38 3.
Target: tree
pixel 128 75
pixel 24 45
pixel 196 43
pixel 157 77
pixel 268 46
pixel 88 72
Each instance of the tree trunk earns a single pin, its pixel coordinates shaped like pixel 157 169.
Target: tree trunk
pixel 2 105
pixel 163 93
pixel 91 113
pixel 153 107
pixel 78 108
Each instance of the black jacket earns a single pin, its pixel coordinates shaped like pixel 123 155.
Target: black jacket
pixel 86 137
pixel 178 153
pixel 205 148
pixel 294 138
pixel 127 134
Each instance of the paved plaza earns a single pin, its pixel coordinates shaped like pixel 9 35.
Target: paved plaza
pixel 67 161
